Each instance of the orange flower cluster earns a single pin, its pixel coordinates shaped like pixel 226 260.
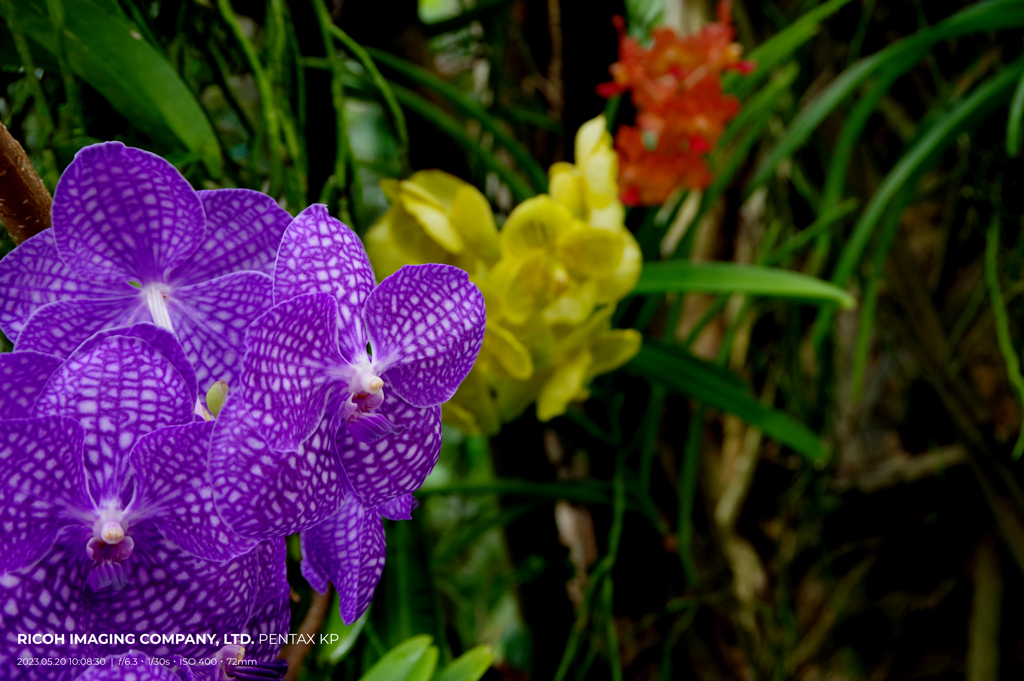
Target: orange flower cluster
pixel 681 109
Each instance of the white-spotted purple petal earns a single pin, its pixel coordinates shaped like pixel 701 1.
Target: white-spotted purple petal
pixel 400 508
pixel 118 390
pixel 172 592
pixel 210 319
pixel 243 230
pixel 125 213
pixel 22 376
pixel 162 340
pixel 271 612
pixel 395 465
pixel 44 486
pixel 44 598
pixel 58 328
pixel 320 253
pixel 264 493
pixel 348 549
pixel 425 324
pixel 33 275
pixel 173 490
pixel 286 371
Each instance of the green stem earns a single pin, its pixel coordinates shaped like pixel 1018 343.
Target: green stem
pixel 397 116
pixel 343 154
pixel 468 107
pixel 266 90
pixel 1003 322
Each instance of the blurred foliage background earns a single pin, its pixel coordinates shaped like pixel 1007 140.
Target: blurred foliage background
pixel 774 487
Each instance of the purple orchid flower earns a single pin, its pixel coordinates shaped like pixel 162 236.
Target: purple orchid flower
pixel 132 241
pixel 109 509
pixel 339 418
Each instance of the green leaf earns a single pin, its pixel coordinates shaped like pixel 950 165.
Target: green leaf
pixel 424 669
pixel 471 108
pixel 779 47
pixel 728 278
pixel 702 380
pixel 1014 120
pixel 347 634
pixel 457 131
pixel 108 54
pixel 399 662
pixel 985 16
pixel 473 664
pixel 987 96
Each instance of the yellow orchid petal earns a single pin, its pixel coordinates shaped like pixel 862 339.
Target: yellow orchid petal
pixel 525 286
pixel 565 383
pixel 381 248
pixel 612 216
pixel 581 334
pixel 620 282
pixel 535 224
pixel 591 252
pixel 434 220
pixel 472 219
pixel 566 186
pixel 613 348
pixel 434 185
pixel 509 353
pixel 492 296
pixel 601 173
pixel 573 306
pixel 591 136
pixel 411 240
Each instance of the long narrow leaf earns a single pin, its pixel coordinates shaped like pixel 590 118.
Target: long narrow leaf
pixel 457 131
pixel 688 375
pixel 779 48
pixel 722 277
pixel 985 16
pixel 467 107
pixel 133 76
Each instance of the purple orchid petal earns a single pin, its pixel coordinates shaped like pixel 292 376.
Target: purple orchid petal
pixel 400 508
pixel 118 391
pixel 265 493
pixel 133 666
pixel 123 213
pixel 243 230
pixel 173 490
pixel 425 324
pixel 271 613
pixel 320 253
pixel 371 427
pixel 172 592
pixel 162 340
pixel 22 376
pixel 395 465
pixel 210 319
pixel 45 598
pixel 33 275
pixel 44 486
pixel 349 550
pixel 286 371
pixel 59 328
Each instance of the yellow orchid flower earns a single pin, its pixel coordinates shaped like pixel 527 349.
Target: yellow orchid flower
pixel 550 278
